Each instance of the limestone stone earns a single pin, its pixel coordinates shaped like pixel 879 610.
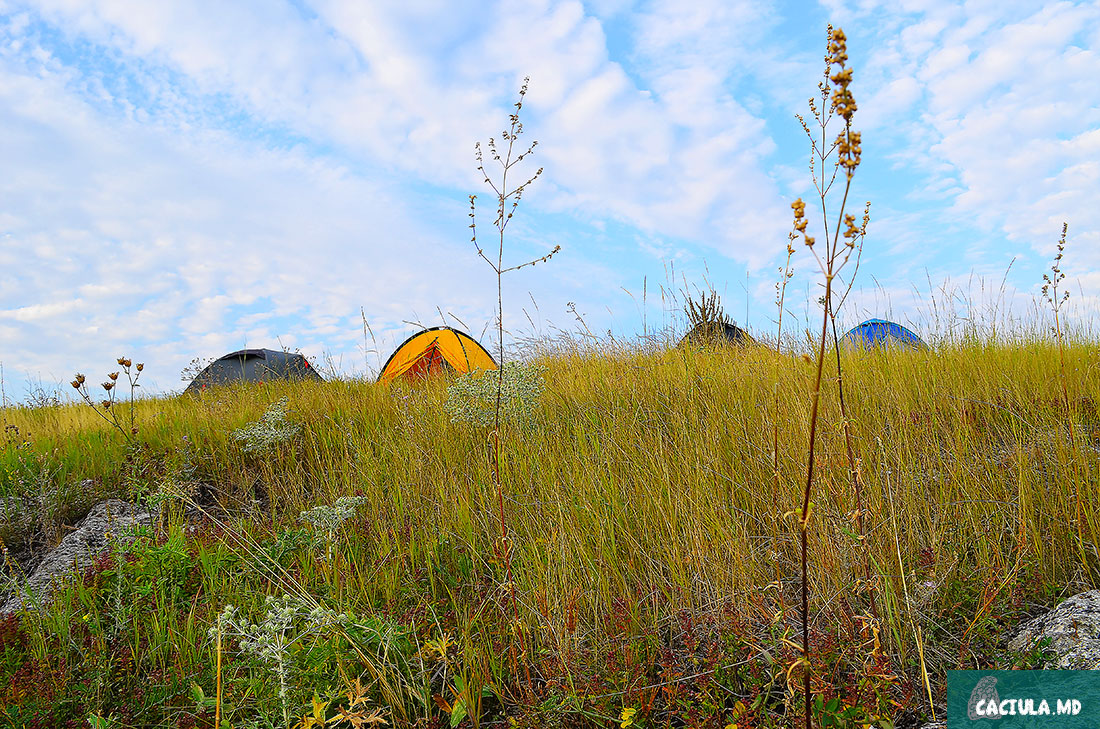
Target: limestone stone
pixel 77 550
pixel 1074 630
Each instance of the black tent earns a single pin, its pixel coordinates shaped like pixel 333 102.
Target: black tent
pixel 253 365
pixel 712 334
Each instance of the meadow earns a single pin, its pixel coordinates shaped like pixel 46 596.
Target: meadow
pixel 652 535
pixel 610 534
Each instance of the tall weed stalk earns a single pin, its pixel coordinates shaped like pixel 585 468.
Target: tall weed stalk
pixel 836 101
pixel 1056 300
pixel 507 201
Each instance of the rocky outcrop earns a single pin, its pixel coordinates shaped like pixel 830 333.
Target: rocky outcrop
pixel 1073 629
pixel 77 550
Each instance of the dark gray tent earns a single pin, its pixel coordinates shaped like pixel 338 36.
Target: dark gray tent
pixel 715 333
pixel 253 365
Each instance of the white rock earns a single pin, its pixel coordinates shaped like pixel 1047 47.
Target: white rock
pixel 78 549
pixel 1074 630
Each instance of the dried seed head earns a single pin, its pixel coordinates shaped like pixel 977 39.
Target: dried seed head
pixel 842 100
pixel 75 384
pixel 838 46
pixel 852 232
pixel 799 208
pixel 140 366
pixel 113 376
pixel 108 385
pixel 80 378
pixel 842 78
pixel 848 150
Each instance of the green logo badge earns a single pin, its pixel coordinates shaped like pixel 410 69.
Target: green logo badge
pixel 1063 699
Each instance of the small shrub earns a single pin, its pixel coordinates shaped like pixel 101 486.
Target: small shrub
pixel 286 622
pixel 472 398
pixel 330 518
pixel 271 430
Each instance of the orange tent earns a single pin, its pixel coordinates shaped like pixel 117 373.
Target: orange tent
pixel 434 351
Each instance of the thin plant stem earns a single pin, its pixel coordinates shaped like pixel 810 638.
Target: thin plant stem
pixel 804 519
pixel 218 688
pixel 496 441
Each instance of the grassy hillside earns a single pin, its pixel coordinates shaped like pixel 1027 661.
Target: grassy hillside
pixel 654 552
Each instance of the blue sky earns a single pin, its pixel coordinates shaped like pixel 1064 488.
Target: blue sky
pixel 180 179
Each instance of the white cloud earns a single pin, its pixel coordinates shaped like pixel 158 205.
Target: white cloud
pixel 996 105
pixel 125 236
pixel 414 85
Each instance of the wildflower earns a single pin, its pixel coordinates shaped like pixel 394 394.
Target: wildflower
pixel 627 717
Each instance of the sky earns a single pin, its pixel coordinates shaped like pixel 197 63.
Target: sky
pixel 184 178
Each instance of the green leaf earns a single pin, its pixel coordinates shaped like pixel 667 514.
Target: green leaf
pixel 458 712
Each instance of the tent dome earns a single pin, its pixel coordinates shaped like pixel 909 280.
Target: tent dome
pixel 882 333
pixel 253 365
pixel 435 351
pixel 704 334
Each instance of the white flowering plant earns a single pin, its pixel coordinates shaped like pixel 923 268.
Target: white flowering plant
pixel 287 620
pixel 330 518
pixel 272 429
pixel 472 397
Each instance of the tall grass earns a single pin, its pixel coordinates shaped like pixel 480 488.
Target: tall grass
pixel 639 505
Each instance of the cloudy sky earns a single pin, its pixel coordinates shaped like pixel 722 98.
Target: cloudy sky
pixel 183 178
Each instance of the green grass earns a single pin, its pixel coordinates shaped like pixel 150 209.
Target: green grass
pixel 656 565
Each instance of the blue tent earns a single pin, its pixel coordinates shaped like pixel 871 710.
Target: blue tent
pixel 882 333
